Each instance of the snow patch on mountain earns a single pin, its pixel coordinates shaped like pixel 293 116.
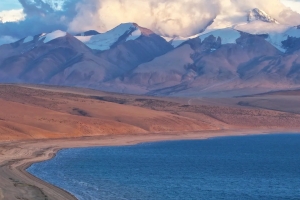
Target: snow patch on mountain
pixel 277 38
pixel 227 35
pixel 52 36
pixel 259 28
pixel 277 33
pixel 28 39
pixel 134 35
pixel 177 41
pixel 106 40
pixel 42 36
pixel 85 39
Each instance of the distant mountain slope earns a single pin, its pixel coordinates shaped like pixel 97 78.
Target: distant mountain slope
pixel 57 57
pixel 204 61
pixel 60 58
pixel 258 55
pixel 163 71
pixel 132 50
pixel 127 46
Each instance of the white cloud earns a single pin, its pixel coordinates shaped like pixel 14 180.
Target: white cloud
pixel 294 5
pixel 12 15
pixel 168 17
pixel 174 17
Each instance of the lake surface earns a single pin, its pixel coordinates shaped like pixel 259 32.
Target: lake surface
pixel 247 167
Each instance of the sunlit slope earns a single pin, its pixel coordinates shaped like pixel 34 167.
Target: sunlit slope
pixel 36 112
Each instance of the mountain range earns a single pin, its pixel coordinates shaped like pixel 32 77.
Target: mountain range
pixel 258 55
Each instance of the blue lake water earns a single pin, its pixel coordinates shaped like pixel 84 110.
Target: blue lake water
pixel 248 167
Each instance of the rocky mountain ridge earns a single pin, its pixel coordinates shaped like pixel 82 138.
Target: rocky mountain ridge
pixel 260 55
pixel 257 14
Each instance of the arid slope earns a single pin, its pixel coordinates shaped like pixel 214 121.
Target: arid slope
pixel 40 112
pixel 28 113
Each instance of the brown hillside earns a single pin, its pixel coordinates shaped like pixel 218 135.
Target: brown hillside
pixel 36 112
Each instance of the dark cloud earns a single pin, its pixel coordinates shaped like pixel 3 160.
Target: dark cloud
pixel 40 17
pixel 36 7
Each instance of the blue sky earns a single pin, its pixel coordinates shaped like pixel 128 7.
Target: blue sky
pixel 9 4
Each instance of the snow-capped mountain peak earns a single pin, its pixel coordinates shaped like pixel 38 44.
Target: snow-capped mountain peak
pixel 257 14
pixel 123 32
pixel 177 41
pixel 47 37
pixel 227 35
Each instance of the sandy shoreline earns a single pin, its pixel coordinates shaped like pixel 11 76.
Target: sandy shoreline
pixel 16 157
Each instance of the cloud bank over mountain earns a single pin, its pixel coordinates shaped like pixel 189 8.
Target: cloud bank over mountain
pixel 173 17
pixel 166 17
pixel 293 4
